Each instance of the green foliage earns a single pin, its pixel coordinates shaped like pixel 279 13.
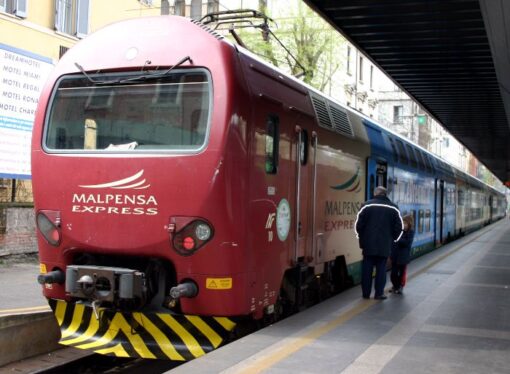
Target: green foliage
pixel 316 46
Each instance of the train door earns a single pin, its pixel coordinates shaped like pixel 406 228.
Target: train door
pixel 303 247
pixel 439 208
pixel 377 175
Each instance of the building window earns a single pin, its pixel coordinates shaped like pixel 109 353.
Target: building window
pixel 349 51
pixel 180 8
pixel 16 7
pixel 196 9
pixel 398 112
pixel 361 69
pixel 62 50
pixel 72 17
pixel 213 6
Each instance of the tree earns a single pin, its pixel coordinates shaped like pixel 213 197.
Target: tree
pixel 315 45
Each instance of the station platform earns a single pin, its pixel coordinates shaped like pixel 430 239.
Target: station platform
pixel 20 291
pixel 452 318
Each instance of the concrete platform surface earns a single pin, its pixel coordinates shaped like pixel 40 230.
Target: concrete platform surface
pixel 19 291
pixel 452 318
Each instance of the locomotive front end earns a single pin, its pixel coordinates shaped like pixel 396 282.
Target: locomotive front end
pixel 129 175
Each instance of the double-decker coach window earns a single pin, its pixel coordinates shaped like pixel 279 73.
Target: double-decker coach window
pixel 401 152
pixel 420 220
pixel 272 142
pixel 412 156
pixel 394 149
pixel 123 113
pixel 427 220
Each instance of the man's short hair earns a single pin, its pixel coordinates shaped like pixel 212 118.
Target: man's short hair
pixel 380 191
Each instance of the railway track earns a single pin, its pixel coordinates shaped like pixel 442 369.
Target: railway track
pixel 71 360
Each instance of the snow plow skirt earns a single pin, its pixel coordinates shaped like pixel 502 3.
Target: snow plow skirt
pixel 164 336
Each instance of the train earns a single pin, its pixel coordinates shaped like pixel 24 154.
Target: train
pixel 183 186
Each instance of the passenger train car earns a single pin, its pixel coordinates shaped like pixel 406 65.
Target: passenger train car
pixel 182 186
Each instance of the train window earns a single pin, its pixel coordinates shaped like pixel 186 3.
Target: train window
pixel 401 152
pixel 134 112
pixel 395 152
pixel 413 213
pixel 304 147
pixel 460 198
pixel 421 160
pixel 428 163
pixel 412 156
pixel 427 220
pixel 420 220
pixel 272 144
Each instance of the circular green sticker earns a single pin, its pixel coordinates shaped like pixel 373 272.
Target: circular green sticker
pixel 283 219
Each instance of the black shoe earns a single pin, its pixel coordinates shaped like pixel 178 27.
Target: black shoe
pixel 398 291
pixel 366 297
pixel 381 297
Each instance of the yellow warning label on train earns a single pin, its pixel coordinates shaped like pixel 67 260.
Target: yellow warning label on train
pixel 218 283
pixel 42 268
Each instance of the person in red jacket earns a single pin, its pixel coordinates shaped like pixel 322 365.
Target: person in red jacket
pixel 378 225
pixel 401 255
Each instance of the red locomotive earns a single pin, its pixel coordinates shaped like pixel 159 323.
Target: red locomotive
pixel 181 183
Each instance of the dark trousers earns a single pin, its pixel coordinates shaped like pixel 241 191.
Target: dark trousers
pixel 367 266
pixel 398 275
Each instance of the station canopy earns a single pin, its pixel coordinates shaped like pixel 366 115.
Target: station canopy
pixel 452 56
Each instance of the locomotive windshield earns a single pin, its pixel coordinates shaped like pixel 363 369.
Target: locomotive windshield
pixel 170 113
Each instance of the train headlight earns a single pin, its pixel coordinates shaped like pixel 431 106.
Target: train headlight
pixel 192 236
pixel 203 231
pixel 49 227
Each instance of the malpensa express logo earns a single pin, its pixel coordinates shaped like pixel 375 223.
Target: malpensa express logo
pixel 121 196
pixel 353 184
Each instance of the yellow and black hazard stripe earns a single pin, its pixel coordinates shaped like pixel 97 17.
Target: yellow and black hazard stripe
pixel 146 335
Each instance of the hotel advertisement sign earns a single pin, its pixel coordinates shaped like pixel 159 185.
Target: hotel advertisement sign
pixel 22 76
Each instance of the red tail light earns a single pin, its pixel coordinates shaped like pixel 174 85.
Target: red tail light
pixel 48 223
pixel 191 237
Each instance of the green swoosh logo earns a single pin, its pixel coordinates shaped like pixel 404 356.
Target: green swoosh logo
pixel 347 184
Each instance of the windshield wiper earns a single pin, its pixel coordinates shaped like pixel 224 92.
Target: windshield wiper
pixel 136 79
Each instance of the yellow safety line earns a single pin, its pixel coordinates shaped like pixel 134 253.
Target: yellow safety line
pixel 160 338
pixel 206 330
pixel 27 309
pixel 135 339
pixel 75 323
pixel 258 365
pixel 225 322
pixel 117 350
pixel 90 332
pixel 188 339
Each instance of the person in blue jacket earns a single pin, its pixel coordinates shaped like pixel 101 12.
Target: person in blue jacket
pixel 378 226
pixel 401 255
